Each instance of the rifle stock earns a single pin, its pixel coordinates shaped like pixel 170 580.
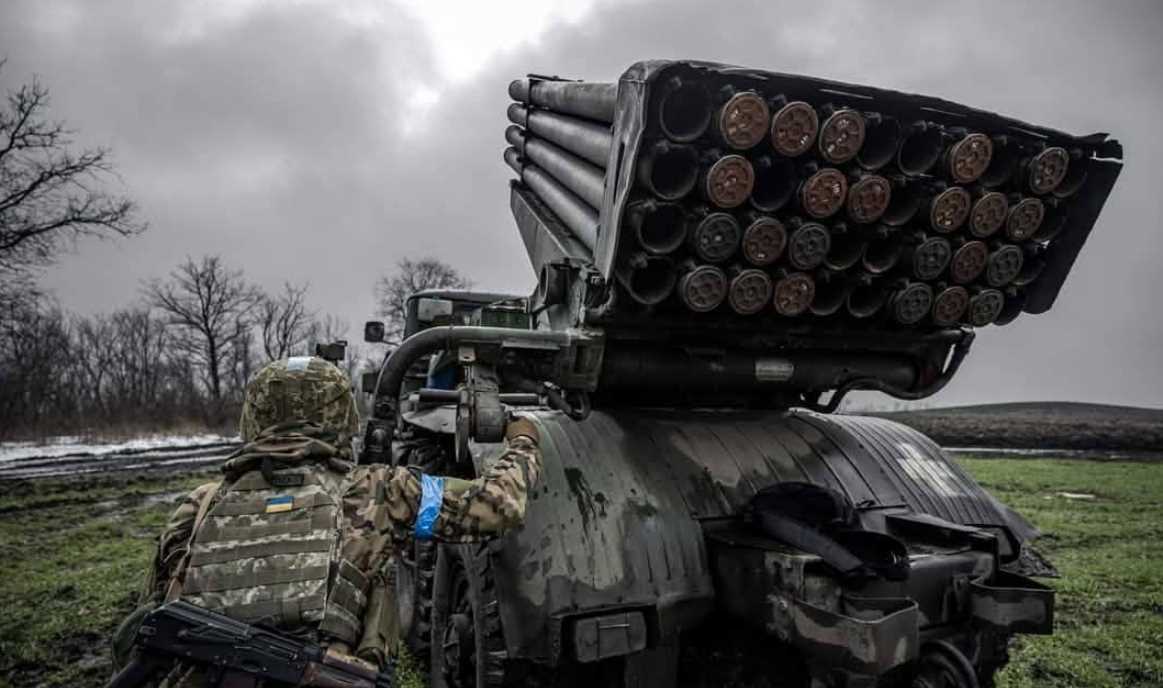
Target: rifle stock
pixel 238 653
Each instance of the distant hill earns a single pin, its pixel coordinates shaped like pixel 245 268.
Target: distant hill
pixel 1040 425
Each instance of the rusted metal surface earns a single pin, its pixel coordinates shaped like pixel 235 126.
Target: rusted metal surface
pixel 793 293
pixel 824 193
pixel 1048 169
pixel 988 214
pixel 743 120
pixel 969 158
pixel 949 305
pixel 764 241
pixel 794 128
pixel 949 209
pixel 1025 218
pixel 841 136
pixel 869 198
pixel 729 181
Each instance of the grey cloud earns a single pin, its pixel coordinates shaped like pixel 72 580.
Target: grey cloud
pixel 277 140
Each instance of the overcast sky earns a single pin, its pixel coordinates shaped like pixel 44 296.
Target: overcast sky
pixel 322 141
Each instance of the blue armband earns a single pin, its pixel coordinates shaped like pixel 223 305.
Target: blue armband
pixel 431 498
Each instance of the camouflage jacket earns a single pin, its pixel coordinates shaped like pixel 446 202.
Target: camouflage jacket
pixel 382 507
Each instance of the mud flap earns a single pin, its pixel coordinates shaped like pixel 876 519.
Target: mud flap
pixel 1010 603
pixel 869 637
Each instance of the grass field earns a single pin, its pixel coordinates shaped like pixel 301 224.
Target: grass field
pixel 73 558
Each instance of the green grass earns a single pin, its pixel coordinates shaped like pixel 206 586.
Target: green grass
pixel 74 555
pixel 1109 550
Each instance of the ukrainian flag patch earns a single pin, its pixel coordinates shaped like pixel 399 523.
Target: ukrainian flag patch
pixel 280 503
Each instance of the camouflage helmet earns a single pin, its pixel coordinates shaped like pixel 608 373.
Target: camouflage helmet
pixel 303 389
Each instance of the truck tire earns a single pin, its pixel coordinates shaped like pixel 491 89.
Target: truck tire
pixel 414 572
pixel 467 645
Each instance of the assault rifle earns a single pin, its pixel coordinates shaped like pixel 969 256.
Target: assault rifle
pixel 236 654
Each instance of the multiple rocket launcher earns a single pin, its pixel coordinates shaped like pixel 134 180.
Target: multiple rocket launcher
pixel 749 196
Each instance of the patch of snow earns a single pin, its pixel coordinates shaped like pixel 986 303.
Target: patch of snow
pixel 72 446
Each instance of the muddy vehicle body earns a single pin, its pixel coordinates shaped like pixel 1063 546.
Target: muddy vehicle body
pixel 698 491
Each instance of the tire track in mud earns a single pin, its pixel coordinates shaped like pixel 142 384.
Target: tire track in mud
pixel 140 460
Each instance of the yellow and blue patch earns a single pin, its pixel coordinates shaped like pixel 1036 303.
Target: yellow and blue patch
pixel 280 503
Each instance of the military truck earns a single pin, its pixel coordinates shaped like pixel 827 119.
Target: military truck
pixel 722 254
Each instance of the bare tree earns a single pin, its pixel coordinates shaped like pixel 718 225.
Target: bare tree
pixel 285 322
pixel 211 307
pixel 411 276
pixel 50 194
pixel 34 353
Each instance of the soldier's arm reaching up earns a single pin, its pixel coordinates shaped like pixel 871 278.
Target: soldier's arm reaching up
pixel 452 509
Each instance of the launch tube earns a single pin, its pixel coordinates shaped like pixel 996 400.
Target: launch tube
pixel 590 99
pixel 969 158
pixel 648 279
pixel 775 183
pixel 985 306
pixel 581 219
pixel 881 255
pixel 660 227
pixel 1024 219
pixel 1046 170
pixel 920 148
pixel 743 120
pixel 1076 175
pixel 669 170
pixel 911 303
pixel 764 240
pixel 580 137
pixel 882 138
pixel 1004 265
pixel 715 237
pixel 831 293
pixel 841 135
pixel 750 290
pixel 685 110
pixel 577 175
pixel 701 288
pixel 1003 162
pixel 988 214
pixel 808 245
pixel 866 298
pixel 949 305
pixel 846 250
pixel 793 293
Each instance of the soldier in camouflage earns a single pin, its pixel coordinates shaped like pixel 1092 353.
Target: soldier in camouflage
pixel 298 536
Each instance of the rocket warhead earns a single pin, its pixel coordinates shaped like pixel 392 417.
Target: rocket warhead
pixel 988 214
pixel 794 129
pixel 1025 218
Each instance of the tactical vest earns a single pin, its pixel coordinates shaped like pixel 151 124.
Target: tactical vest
pixel 268 550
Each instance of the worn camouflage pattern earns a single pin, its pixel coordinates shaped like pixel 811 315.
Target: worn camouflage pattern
pixel 287 566
pixel 299 389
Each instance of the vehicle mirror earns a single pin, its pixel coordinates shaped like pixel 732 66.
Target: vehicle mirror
pixel 374 331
